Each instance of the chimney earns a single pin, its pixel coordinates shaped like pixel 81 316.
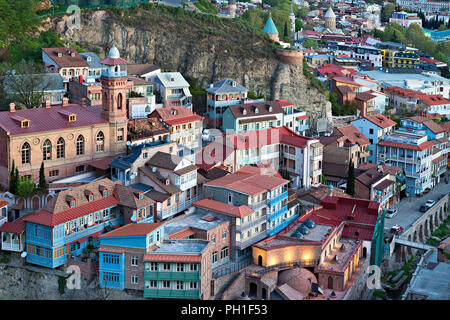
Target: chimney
pixel 83 102
pixel 12 107
pixel 65 101
pixel 47 104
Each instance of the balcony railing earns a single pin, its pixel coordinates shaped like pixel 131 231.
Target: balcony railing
pixel 250 224
pixel 90 230
pixel 248 242
pixel 166 213
pixel 258 205
pixel 276 214
pixel 277 198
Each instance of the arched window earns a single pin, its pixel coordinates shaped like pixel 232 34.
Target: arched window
pixel 80 145
pixel 47 150
pixel 60 145
pixel 26 153
pixel 119 101
pixel 100 141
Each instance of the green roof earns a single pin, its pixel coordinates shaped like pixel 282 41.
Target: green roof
pixel 270 26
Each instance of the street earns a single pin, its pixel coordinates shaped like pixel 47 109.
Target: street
pixel 408 208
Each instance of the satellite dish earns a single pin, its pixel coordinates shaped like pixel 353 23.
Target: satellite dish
pixel 133 218
pixel 23 254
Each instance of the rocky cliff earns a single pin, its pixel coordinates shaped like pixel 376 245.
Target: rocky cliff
pixel 200 46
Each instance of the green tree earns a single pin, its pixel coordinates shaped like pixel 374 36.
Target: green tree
pixel 26 188
pixel 310 43
pixel 12 179
pixel 351 180
pixel 42 183
pixel 386 12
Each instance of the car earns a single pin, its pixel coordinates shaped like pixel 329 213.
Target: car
pixel 424 208
pixel 430 203
pixel 390 213
pixel 396 229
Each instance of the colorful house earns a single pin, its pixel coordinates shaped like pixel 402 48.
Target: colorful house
pixel 121 255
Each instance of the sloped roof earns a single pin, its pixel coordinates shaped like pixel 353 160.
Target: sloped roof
pixel 141 69
pixel 164 160
pixel 217 206
pixel 226 86
pixel 330 13
pixel 255 109
pixel 381 120
pixel 129 197
pixel 178 80
pixel 175 115
pixel 270 27
pixel 351 133
pixel 66 60
pixel 133 229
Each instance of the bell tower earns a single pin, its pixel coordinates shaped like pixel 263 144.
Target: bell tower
pixel 114 87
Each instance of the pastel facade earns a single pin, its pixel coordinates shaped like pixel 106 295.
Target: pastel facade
pixel 412 153
pixel 179 269
pixel 65 61
pixel 121 255
pixel 173 89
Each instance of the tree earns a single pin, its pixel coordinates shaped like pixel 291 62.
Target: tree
pixel 386 12
pixel 309 43
pixel 42 183
pixel 12 179
pixel 25 84
pixel 351 180
pixel 286 34
pixel 26 188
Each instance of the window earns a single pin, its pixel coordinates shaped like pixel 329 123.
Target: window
pixel 25 152
pixel 80 145
pixel 60 144
pixel 150 284
pixel 224 234
pixel 180 285
pixel 166 266
pixel 119 101
pixel 100 142
pixel 180 267
pixel 80 168
pixel 134 261
pixel 166 284
pixel 153 266
pixel 230 197
pixel 193 285
pixel 193 267
pixel 72 203
pixel 214 257
pixel 120 134
pixel 145 155
pixel 224 253
pixel 370 131
pixel 54 173
pixel 47 150
pixel 134 279
pixel 213 239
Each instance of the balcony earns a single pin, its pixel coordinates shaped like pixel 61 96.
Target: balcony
pixel 257 205
pixel 248 160
pixel 243 227
pixel 248 242
pixel 166 213
pixel 276 214
pixel 113 74
pixel 301 128
pixel 277 198
pixel 172 294
pixel 172 275
pixel 13 246
pixel 90 230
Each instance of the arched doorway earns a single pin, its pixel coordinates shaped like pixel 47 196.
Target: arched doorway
pixel 253 290
pixel 330 282
pixel 35 203
pixel 259 260
pixel 264 294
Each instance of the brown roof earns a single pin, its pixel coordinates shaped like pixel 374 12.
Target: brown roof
pixel 140 69
pixel 263 109
pixel 164 160
pixel 440 159
pixel 138 81
pixel 381 120
pixel 258 119
pixel 133 229
pixel 146 127
pixel 217 206
pixel 158 196
pixel 185 170
pixel 50 119
pixel 384 184
pixel 429 123
pixel 351 133
pixel 364 96
pixel 129 197
pixel 317 194
pixel 60 202
pixel 66 60
pixel 371 176
pixel 160 181
pixel 175 115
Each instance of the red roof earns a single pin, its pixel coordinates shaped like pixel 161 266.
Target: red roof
pixel 114 61
pixel 302 117
pixel 433 99
pixel 53 219
pixel 407 93
pixel 181 234
pixel 44 119
pixel 181 120
pixel 133 229
pixel 175 115
pixel 351 133
pixel 16 226
pixel 216 206
pixel 420 147
pixel 3 203
pixel 110 250
pixel 284 103
pixel 381 120
pixel 172 258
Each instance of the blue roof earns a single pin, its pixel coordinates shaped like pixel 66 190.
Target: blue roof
pixel 125 162
pixel 270 26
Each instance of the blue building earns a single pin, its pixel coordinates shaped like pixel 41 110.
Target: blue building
pixel 422 125
pixel 412 153
pixel 374 127
pixel 222 94
pixel 121 254
pixel 71 222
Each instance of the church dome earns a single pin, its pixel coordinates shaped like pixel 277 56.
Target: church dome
pixel 330 13
pixel 299 279
pixel 113 53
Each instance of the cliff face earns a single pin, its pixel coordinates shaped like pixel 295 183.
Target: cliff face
pixel 209 49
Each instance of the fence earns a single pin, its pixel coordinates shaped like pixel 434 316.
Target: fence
pixel 301 263
pixel 232 267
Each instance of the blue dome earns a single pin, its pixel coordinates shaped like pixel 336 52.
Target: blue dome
pixel 270 27
pixel 330 186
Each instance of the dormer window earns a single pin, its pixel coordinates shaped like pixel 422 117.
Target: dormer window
pixel 72 118
pixel 141 196
pixel 91 197
pixel 72 203
pixel 25 124
pixel 256 110
pixel 105 193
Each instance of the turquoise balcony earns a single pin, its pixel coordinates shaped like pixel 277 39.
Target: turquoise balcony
pixel 172 276
pixel 278 198
pixel 172 294
pixel 276 214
